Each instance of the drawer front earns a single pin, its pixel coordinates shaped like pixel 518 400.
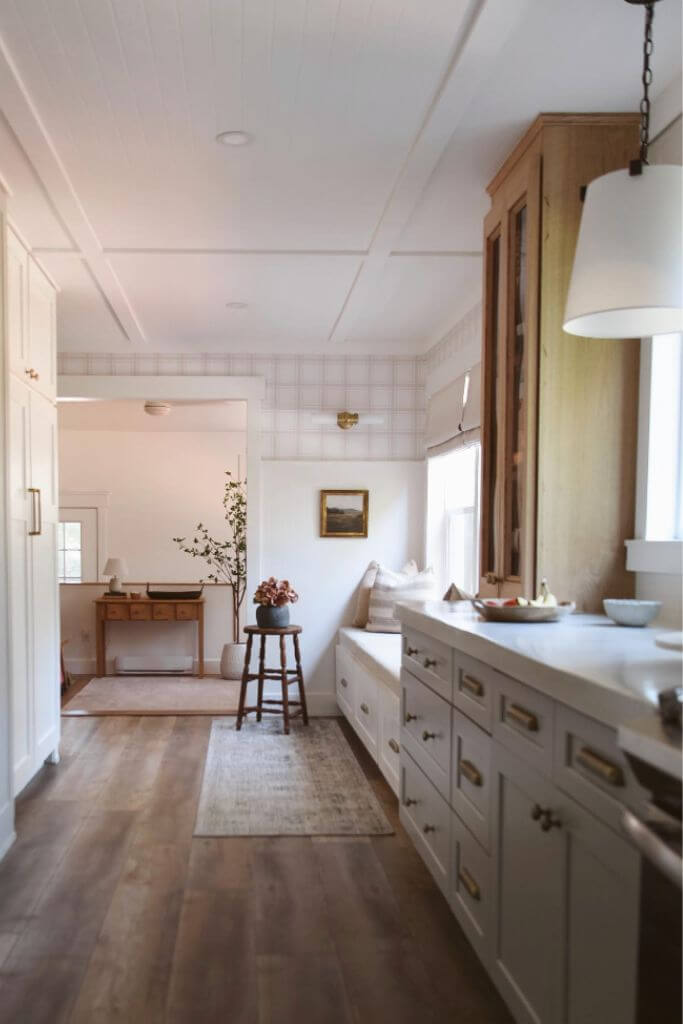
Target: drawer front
pixel 474 688
pixel 523 721
pixel 470 896
pixel 426 730
pixel 429 660
pixel 345 681
pixel 471 777
pixel 389 737
pixel 365 710
pixel 187 612
pixel 117 612
pixel 140 612
pixel 426 817
pixel 590 767
pixel 163 612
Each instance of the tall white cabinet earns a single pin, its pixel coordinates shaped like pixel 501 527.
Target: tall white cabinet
pixel 33 514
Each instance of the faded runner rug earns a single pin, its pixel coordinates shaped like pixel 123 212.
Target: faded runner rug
pixel 155 695
pixel 259 782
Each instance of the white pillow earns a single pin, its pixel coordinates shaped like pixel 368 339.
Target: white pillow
pixel 390 587
pixel 360 618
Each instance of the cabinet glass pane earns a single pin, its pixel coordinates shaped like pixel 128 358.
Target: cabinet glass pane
pixel 490 455
pixel 516 397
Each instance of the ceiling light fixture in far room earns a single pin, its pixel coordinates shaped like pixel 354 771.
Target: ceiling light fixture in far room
pixel 627 280
pixel 236 305
pixel 233 138
pixel 157 408
pixel 345 420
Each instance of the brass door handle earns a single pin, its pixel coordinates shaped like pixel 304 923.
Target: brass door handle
pixel 600 767
pixel 37 512
pixel 394 746
pixel 428 735
pixel 472 685
pixel 471 773
pixel 365 709
pixel 429 662
pixel 410 651
pixel 344 682
pixel 522 717
pixel 410 718
pixel 428 828
pixel 469 883
pixel 546 818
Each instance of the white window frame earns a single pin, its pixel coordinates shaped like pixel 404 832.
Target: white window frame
pixel 644 553
pixel 99 500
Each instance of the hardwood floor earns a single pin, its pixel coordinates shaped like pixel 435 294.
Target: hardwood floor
pixel 110 911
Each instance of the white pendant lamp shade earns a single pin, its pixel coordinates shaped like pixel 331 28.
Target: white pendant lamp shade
pixel 627 280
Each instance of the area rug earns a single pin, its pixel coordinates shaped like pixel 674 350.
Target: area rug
pixel 259 782
pixel 155 695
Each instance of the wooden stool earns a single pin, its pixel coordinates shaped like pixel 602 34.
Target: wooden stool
pixel 283 674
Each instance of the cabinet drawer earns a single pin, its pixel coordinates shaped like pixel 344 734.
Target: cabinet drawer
pixel 345 681
pixel 141 612
pixel 389 736
pixel 523 722
pixel 471 777
pixel 365 710
pixel 163 612
pixel 117 612
pixel 426 730
pixel 470 897
pixel 474 688
pixel 429 660
pixel 590 767
pixel 426 817
pixel 187 612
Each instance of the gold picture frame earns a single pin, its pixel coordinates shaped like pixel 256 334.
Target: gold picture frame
pixel 345 515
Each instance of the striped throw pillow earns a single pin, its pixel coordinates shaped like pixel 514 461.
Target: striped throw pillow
pixel 391 587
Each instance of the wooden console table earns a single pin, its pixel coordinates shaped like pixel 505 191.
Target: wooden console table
pixel 122 609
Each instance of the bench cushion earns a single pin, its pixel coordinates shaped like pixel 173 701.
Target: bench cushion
pixel 379 653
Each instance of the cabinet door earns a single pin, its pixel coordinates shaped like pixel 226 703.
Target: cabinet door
pixel 21 628
pixel 44 591
pixel 42 308
pixel 17 285
pixel 528 947
pixel 511 239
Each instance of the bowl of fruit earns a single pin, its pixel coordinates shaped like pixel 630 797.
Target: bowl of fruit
pixel 544 608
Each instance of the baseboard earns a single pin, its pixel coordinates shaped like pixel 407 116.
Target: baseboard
pixel 87 666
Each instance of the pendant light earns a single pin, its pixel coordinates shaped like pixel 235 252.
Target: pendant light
pixel 627 280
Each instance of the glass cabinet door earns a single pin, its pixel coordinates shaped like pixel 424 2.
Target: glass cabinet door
pixel 491 534
pixel 515 399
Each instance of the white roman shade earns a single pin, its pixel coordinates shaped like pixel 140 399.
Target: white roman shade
pixel 454 414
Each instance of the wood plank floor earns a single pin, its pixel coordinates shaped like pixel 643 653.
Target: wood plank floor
pixel 110 911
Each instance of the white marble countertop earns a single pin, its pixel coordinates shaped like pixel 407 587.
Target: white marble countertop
pixel 612 673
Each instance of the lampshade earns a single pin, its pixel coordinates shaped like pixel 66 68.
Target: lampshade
pixel 627 280
pixel 115 567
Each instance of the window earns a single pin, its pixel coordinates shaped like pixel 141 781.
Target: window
pixel 453 517
pixel 69 552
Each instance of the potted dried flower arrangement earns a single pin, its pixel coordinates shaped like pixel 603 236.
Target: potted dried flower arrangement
pixel 272 598
pixel 228 561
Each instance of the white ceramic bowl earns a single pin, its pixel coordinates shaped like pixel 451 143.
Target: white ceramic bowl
pixel 627 612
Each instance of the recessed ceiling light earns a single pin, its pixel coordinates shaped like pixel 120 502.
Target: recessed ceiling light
pixel 236 305
pixel 233 138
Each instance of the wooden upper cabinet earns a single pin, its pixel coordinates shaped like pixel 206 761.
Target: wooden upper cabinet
pixel 559 413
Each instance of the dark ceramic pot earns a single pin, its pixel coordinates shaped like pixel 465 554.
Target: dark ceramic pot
pixel 270 617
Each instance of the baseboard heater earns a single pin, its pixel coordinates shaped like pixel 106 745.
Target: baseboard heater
pixel 154 665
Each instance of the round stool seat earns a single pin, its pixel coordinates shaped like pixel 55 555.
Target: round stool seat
pixel 290 630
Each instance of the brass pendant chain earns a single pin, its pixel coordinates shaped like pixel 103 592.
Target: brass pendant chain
pixel 648 47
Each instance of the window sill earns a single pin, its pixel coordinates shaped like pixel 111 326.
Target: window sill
pixel 661 556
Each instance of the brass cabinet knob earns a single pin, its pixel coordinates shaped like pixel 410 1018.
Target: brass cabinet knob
pixel 428 735
pixel 393 745
pixel 429 662
pixel 428 828
pixel 546 817
pixel 409 802
pixel 344 682
pixel 365 709
pixel 410 651
pixel 409 717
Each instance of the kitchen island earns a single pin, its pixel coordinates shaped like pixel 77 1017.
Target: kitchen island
pixel 513 787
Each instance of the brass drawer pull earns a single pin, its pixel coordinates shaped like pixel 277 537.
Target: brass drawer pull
pixel 428 736
pixel 409 802
pixel 605 770
pixel 471 773
pixel 472 685
pixel 344 682
pixel 429 662
pixel 394 746
pixel 428 828
pixel 365 709
pixel 410 651
pixel 521 717
pixel 469 883
pixel 410 718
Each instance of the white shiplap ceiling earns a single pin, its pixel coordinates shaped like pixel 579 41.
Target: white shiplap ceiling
pixel 353 219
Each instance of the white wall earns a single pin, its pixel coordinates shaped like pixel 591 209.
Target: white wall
pixel 161 484
pixel 325 571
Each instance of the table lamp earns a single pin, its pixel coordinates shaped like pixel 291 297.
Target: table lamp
pixel 115 568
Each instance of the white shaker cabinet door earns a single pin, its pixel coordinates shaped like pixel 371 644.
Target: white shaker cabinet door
pixel 42 329
pixel 17 306
pixel 45 596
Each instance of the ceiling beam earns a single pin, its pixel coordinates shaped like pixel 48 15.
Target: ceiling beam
pixel 486 28
pixel 25 121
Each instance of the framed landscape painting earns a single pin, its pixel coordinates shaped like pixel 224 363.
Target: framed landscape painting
pixel 343 513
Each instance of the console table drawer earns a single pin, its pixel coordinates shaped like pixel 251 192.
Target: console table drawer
pixel 523 722
pixel 163 612
pixel 117 612
pixel 141 612
pixel 426 816
pixel 471 777
pixel 471 898
pixel 426 730
pixel 186 612
pixel 429 660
